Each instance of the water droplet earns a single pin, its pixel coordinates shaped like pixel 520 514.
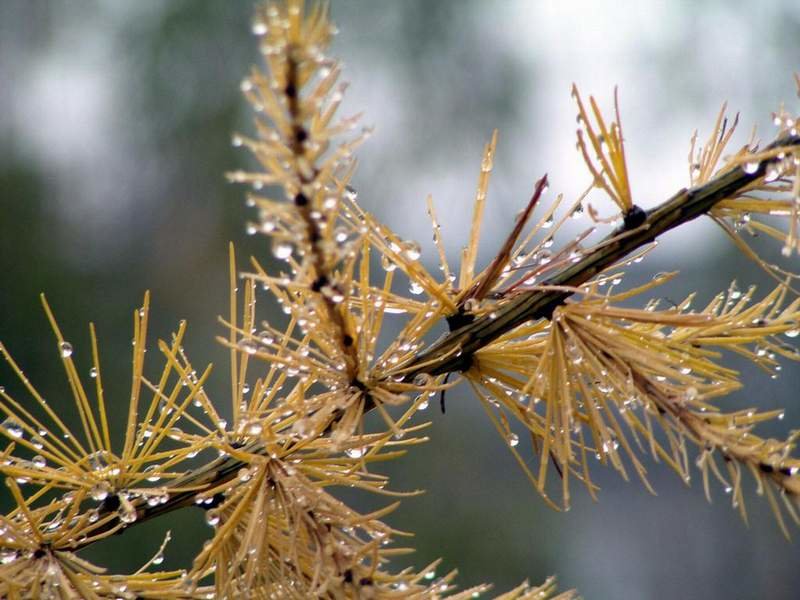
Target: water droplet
pixel 93 372
pixel 281 249
pixel 471 304
pixel 154 477
pixel 548 222
pixel 340 235
pixel 422 379
pixel 65 348
pixel 127 512
pixel 100 460
pixel 355 452
pixel 268 223
pixel 792 333
pixel 576 212
pixel 387 264
pixel 415 288
pixel 544 257
pixel 772 174
pixel 38 461
pixel 100 491
pixel 249 346
pixel 259 27
pixel 12 428
pixel 412 250
pixel 604 386
pixel 750 167
pixel 742 221
pixel 610 446
pixel 574 353
pixel 512 439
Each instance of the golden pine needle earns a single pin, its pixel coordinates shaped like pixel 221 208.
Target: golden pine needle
pixel 609 147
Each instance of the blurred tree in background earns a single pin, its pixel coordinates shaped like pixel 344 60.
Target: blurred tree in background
pixel 115 122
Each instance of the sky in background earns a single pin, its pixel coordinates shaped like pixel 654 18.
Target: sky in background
pixel 115 125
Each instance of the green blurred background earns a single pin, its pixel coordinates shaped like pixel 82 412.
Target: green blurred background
pixel 115 123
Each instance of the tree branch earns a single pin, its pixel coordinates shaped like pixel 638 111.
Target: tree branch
pixel 454 351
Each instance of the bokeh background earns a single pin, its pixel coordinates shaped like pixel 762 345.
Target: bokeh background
pixel 115 123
